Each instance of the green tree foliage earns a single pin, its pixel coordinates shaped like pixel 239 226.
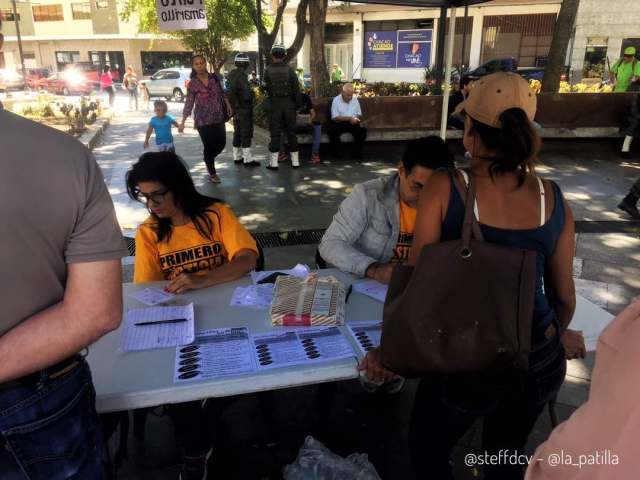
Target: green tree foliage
pixel 227 20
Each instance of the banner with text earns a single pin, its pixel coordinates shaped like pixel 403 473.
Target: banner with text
pixel 414 48
pixel 380 49
pixel 398 49
pixel 181 15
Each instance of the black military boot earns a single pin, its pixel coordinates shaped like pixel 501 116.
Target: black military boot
pixel 629 205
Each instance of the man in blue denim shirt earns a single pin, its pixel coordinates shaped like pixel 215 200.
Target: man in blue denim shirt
pixel 61 291
pixel 365 237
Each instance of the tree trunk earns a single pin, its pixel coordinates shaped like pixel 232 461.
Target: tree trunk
pixel 265 39
pixel 558 52
pixel 319 71
pixel 301 29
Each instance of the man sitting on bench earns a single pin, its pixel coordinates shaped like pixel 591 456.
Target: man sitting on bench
pixel 346 118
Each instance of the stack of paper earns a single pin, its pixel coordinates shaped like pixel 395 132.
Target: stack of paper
pixel 218 352
pixel 300 271
pixel 152 296
pixel 300 346
pixel 372 288
pixel 253 296
pixel 366 334
pixel 157 327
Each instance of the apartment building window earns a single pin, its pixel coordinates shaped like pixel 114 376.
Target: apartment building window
pixel 6 15
pixel 81 11
pixel 47 13
pixel 65 58
pixel 102 4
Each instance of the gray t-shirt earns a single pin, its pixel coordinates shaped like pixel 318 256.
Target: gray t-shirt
pixel 54 210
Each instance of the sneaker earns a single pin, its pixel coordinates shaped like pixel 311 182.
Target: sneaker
pixel 252 163
pixel 241 160
pixel 194 468
pixel 269 167
pixel 630 209
pixel 625 155
pixel 315 158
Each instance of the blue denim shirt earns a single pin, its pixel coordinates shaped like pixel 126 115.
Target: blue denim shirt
pixel 365 229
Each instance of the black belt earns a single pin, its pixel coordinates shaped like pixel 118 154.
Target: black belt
pixel 49 373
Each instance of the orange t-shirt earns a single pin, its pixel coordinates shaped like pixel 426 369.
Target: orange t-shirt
pixel 405 238
pixel 187 250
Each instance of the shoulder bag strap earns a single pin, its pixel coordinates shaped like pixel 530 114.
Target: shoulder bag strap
pixel 543 203
pixel 470 226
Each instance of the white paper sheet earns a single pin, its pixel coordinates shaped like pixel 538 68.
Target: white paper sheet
pixel 253 296
pixel 372 288
pixel 298 271
pixel 300 346
pixel 366 335
pixel 145 337
pixel 152 296
pixel 215 353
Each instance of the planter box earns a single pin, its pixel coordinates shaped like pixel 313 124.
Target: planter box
pixel 555 110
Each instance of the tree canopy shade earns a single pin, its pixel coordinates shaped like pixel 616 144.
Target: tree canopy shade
pixel 425 3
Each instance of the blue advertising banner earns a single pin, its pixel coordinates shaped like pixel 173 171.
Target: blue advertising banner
pixel 380 49
pixel 414 48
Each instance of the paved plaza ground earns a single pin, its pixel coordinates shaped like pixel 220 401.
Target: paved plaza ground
pixel 287 210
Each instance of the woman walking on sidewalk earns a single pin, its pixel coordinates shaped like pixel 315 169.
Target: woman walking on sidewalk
pixel 212 110
pixel 106 84
pixel 130 83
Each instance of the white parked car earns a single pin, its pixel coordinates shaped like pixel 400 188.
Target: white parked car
pixel 169 83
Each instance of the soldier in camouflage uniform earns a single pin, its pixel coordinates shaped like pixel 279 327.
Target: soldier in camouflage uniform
pixel 241 99
pixel 284 100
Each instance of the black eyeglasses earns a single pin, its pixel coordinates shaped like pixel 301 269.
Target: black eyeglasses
pixel 155 197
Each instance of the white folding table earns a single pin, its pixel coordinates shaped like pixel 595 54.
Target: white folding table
pixel 126 381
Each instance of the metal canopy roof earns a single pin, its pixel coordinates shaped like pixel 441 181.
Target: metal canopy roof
pixel 425 3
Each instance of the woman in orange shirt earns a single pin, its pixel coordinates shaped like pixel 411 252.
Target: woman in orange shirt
pixel 194 241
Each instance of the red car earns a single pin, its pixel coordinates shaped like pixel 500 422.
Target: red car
pixel 68 82
pixel 35 75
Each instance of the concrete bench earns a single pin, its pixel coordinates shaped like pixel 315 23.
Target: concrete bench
pixel 561 115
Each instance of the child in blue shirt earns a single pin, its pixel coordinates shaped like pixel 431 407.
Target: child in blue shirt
pixel 161 124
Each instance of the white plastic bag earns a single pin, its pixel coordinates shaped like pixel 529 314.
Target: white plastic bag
pixel 317 462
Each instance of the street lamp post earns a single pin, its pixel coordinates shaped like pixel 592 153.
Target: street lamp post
pixel 15 19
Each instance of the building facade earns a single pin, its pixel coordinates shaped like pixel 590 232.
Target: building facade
pixel 602 31
pixel 59 32
pixel 367 41
pixel 388 43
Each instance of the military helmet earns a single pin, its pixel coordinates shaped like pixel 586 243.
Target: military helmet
pixel 278 50
pixel 241 60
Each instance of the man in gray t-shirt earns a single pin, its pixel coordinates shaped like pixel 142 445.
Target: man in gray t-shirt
pixel 61 290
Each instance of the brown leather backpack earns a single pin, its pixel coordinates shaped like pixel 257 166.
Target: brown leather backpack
pixel 466 306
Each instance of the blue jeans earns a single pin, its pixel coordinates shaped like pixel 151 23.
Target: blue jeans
pixel 50 430
pixel 317 136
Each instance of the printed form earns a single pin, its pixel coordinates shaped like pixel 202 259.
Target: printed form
pixel 157 327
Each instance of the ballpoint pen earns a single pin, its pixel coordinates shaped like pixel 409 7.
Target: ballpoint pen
pixel 158 322
pixel 349 290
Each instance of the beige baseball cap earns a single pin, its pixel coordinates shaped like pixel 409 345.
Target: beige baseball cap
pixel 493 94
